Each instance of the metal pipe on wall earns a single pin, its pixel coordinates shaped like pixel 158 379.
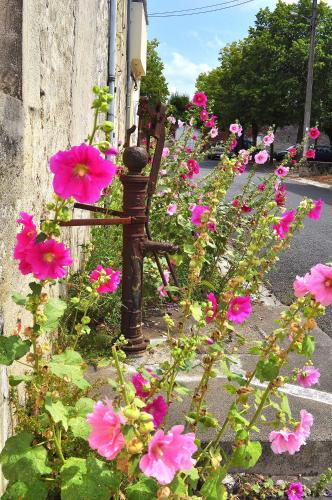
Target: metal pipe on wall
pixel 128 94
pixel 112 13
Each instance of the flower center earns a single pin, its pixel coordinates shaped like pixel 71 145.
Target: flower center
pixel 81 170
pixel 236 307
pixel 48 257
pixel 158 451
pixel 328 283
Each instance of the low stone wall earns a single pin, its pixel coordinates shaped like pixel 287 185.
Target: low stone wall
pixel 313 168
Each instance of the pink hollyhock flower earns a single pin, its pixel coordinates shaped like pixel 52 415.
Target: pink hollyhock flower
pixel 163 172
pixel 213 132
pixel 204 115
pixel 284 223
pixel 310 154
pixel 316 210
pixel 48 259
pixel 142 385
pixel 281 171
pixel 196 213
pixel 194 137
pixel 305 424
pixel 314 133
pixel 282 441
pixel 295 491
pixel 246 209
pixel 280 195
pixel 234 128
pixel 169 453
pixel 300 286
pixel 24 242
pixel 113 151
pixel 212 226
pixel 162 289
pixel 212 307
pixel 180 123
pixel 175 157
pixel 319 283
pixel 171 209
pixel 193 167
pixel 239 133
pixel 171 119
pixel 165 153
pixel 244 156
pixel 261 187
pixel 81 173
pixel 294 162
pixel 189 149
pixel 235 202
pixel 211 122
pixel 112 278
pixel 239 309
pixel 106 436
pixel 209 341
pixel 200 99
pixel 292 151
pixel 308 376
pixel 268 139
pixel 261 157
pixel 158 409
pixel 233 144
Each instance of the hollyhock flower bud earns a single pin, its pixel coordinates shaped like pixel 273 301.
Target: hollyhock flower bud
pixel 281 171
pixel 106 436
pixel 200 99
pixel 113 151
pixel 212 308
pixel 158 409
pixel 319 284
pixel 81 173
pixel 168 453
pixel 235 202
pixel 310 154
pixel 245 209
pixel 316 210
pixel 261 157
pixel 239 309
pixel 112 279
pixel 314 133
pixel 295 491
pixel 135 446
pixel 146 427
pixel 308 376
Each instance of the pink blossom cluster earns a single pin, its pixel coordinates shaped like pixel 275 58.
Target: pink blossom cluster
pixel 295 491
pixel 308 376
pixel 239 309
pixel 158 407
pixel 212 308
pixel 192 167
pixel 318 282
pixel 284 440
pixel 111 279
pixel 197 211
pixel 45 259
pixel 282 227
pixel 236 128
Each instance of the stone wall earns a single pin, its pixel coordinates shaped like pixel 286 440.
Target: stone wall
pixel 286 137
pixel 51 54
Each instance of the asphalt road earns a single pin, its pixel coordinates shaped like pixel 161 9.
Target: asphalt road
pixel 310 246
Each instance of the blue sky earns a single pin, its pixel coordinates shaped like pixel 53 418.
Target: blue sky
pixel 190 45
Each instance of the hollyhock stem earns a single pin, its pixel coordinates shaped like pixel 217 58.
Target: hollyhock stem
pixel 57 443
pixel 120 375
pixel 94 128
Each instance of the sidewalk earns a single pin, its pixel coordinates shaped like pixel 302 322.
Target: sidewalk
pixel 313 458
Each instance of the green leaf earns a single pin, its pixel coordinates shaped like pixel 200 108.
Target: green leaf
pixel 89 479
pixel 213 489
pixel 308 346
pixel 69 364
pixel 84 406
pixel 188 249
pixel 14 380
pixel 144 489
pixel 53 311
pixel 246 456
pixel 22 462
pixel 284 405
pixel 179 487
pixel 182 389
pixel 196 311
pixel 267 370
pixel 58 412
pixel 36 288
pixel 79 427
pixel 19 299
pixel 31 490
pixel 12 348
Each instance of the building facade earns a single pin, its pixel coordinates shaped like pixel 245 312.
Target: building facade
pixel 51 54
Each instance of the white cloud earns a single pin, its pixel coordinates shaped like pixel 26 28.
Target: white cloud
pixel 215 43
pixel 181 73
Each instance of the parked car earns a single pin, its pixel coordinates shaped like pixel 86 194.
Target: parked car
pixel 215 152
pixel 280 156
pixel 323 153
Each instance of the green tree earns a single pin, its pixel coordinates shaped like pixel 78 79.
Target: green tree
pixel 178 105
pixel 154 84
pixel 262 79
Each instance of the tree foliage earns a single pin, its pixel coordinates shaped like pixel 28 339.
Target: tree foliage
pixel 154 84
pixel 262 78
pixel 178 105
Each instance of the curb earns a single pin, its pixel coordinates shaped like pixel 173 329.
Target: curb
pixel 309 182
